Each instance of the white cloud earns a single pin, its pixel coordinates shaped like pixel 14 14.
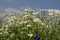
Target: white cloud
pixel 11 10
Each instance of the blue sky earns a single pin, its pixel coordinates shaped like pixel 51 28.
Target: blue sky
pixel 43 4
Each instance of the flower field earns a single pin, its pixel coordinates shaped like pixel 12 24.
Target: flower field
pixel 27 23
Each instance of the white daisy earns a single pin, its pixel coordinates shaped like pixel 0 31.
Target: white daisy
pixel 0 32
pixel 37 20
pixel 29 25
pixel 6 26
pixel 30 35
pixel 12 35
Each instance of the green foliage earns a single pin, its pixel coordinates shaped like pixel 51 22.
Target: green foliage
pixel 26 24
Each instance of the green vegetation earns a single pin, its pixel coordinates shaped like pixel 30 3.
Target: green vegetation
pixel 24 25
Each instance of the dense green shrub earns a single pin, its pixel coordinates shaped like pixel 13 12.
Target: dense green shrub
pixel 28 23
